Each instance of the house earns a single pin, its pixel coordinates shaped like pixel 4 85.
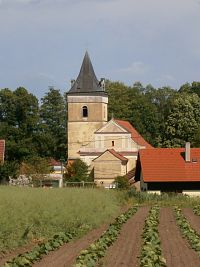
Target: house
pixel 108 165
pixel 2 151
pixel 109 148
pixel 57 172
pixel 169 170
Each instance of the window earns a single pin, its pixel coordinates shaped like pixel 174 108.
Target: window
pixel 113 143
pixel 85 112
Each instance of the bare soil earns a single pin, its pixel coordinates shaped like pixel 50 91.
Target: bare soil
pixel 175 248
pixel 193 219
pixel 126 250
pixel 66 255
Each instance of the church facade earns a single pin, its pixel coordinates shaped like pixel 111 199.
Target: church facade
pixel 109 148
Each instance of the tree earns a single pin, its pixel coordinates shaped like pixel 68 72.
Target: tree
pixel 122 182
pixel 8 169
pixel 36 167
pixel 183 120
pixel 77 172
pixel 53 123
pixel 196 140
pixel 19 121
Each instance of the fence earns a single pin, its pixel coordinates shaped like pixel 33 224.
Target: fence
pixel 80 184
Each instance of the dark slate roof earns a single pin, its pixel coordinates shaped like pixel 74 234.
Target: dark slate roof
pixel 86 82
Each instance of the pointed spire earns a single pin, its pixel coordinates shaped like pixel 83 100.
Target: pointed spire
pixel 86 81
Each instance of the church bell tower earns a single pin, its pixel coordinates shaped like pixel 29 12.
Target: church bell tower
pixel 87 108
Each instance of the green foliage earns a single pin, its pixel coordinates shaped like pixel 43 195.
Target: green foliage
pixel 183 120
pixel 28 258
pixel 97 250
pixel 164 199
pixel 39 213
pixel 35 167
pixel 77 172
pixel 53 122
pixel 196 209
pixel 19 115
pixel 122 182
pixel 8 169
pixel 151 254
pixel 187 231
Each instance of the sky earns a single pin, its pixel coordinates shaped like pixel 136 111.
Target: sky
pixel 43 42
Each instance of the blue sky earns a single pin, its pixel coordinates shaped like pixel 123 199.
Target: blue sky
pixel 42 42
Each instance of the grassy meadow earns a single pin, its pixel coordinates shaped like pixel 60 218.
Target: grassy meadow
pixel 36 213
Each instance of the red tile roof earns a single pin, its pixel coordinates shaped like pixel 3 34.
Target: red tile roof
pixel 169 165
pixel 117 155
pixel 136 137
pixel 2 150
pixel 53 162
pixel 114 153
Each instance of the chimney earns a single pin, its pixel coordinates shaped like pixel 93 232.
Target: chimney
pixel 187 152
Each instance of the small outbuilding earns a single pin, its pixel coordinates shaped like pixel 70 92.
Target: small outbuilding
pixel 169 170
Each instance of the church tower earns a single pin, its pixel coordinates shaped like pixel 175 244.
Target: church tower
pixel 87 108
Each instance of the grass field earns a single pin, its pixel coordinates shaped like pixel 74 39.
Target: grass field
pixel 34 213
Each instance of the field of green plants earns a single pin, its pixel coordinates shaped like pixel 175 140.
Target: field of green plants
pixel 56 216
pixel 37 213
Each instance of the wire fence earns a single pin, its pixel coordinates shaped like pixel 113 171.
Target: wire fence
pixel 80 184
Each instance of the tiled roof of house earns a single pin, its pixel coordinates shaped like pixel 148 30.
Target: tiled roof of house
pixel 117 155
pixel 53 162
pixel 114 153
pixel 134 134
pixel 169 165
pixel 131 174
pixel 2 150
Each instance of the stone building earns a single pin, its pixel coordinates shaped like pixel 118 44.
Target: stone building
pixel 110 148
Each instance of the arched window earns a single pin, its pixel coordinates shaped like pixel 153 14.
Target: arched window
pixel 85 112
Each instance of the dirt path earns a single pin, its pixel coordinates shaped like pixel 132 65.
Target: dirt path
pixel 125 251
pixel 175 248
pixel 66 255
pixel 192 218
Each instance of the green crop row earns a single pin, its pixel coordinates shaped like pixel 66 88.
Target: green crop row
pixel 187 231
pixel 151 254
pixel 28 258
pixel 196 209
pixel 97 250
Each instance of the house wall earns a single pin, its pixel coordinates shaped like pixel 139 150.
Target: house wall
pixel 131 162
pixel 107 167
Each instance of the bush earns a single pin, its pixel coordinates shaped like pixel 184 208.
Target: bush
pixel 122 182
pixel 77 172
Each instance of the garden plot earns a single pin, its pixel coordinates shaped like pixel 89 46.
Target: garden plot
pixel 126 250
pixel 175 248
